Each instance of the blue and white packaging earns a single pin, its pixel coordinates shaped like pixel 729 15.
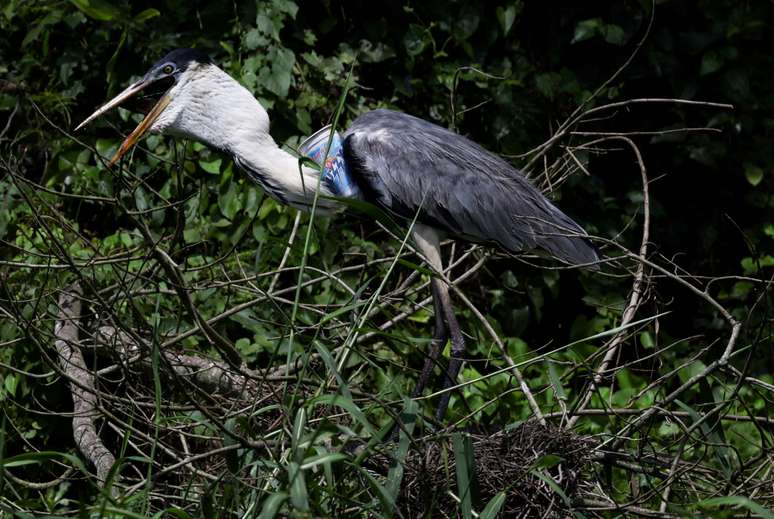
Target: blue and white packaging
pixel 335 170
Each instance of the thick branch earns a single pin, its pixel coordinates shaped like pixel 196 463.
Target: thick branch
pixel 210 375
pixel 81 384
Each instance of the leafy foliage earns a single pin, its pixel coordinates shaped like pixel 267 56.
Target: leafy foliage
pixel 352 323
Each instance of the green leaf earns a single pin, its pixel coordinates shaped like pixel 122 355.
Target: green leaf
pixel 690 370
pixel 286 6
pixel 614 34
pixel 299 496
pixel 298 428
pixel 710 62
pixel 229 201
pixel 106 147
pixel 276 77
pixel 753 173
pixel 10 9
pixel 547 461
pixel 41 457
pixel 98 9
pixel 111 65
pixel 586 29
pixel 370 53
pixel 725 458
pixel 384 497
pixel 741 289
pixel 414 40
pixel 322 459
pixel 330 364
pixel 254 39
pixel 181 514
pixel 548 84
pixel 11 382
pixel 147 14
pixel 551 483
pixel 265 25
pixel 507 16
pixel 212 167
pixel 753 265
pixel 347 405
pixel 556 381
pixel 141 199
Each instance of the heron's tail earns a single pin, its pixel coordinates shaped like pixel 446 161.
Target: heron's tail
pixel 564 239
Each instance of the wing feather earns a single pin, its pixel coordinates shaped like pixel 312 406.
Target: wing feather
pixel 410 166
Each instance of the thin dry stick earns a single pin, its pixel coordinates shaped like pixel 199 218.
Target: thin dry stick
pixel 516 372
pixel 82 384
pixel 504 352
pixel 637 286
pixel 621 412
pixel 285 256
pixel 578 113
pixel 182 463
pixel 720 362
pixel 223 345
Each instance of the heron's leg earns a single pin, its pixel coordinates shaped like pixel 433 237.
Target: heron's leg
pixel 426 239
pixel 440 335
pixel 457 349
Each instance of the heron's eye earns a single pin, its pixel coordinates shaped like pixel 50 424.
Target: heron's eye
pixel 168 69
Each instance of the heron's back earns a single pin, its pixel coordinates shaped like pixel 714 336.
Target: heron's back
pixel 412 167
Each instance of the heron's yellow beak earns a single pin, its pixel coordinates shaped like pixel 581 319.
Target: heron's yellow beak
pixel 142 128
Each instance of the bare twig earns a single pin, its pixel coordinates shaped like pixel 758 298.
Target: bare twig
pixel 637 285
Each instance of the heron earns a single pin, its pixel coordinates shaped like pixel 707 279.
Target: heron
pixel 442 184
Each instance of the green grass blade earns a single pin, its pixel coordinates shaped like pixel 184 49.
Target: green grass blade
pixel 272 505
pixel 723 454
pixel 176 512
pixel 466 472
pixel 493 507
pixel 30 458
pixel 551 483
pixel 299 496
pixel 298 427
pixel 408 419
pixel 330 364
pixel 738 501
pixel 388 504
pixel 349 406
pixel 322 459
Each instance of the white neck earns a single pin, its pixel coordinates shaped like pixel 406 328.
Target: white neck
pixel 211 107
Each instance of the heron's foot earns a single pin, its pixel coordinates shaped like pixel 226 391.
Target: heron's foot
pixel 455 363
pixel 439 339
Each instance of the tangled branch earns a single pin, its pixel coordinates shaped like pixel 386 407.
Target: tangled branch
pixel 82 384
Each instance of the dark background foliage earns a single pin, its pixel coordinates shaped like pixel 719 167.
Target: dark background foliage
pixel 505 74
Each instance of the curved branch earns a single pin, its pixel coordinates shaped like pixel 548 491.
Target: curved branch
pixel 211 375
pixel 81 384
pixel 635 298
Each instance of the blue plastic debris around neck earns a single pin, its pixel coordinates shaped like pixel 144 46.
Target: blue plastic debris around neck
pixel 335 171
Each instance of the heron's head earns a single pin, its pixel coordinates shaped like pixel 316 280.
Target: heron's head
pixel 186 94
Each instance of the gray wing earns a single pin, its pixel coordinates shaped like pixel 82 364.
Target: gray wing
pixel 413 167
